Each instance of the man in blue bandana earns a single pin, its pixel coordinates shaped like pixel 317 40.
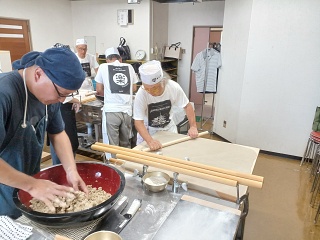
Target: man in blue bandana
pixel 29 105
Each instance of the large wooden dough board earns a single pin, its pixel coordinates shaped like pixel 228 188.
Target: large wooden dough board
pixel 210 152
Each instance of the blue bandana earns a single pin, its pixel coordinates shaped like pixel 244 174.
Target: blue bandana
pixel 61 65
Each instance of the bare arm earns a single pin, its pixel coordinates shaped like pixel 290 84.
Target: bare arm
pixel 134 87
pixel 43 190
pixel 152 143
pixel 75 104
pixel 193 131
pixel 63 149
pixel 100 89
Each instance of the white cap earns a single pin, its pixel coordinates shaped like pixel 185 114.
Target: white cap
pixel 151 72
pixel 81 41
pixel 111 51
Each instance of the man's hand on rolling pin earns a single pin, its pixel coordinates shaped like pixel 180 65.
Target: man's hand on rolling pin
pixel 48 192
pixel 154 145
pixel 193 132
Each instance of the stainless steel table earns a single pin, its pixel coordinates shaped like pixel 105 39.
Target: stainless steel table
pixel 162 215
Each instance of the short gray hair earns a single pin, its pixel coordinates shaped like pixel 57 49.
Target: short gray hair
pixel 112 56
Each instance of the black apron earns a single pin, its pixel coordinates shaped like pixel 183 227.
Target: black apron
pixel 24 154
pixel 69 118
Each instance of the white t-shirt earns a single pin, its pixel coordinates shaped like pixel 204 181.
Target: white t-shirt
pixel 91 59
pixel 118 91
pixel 88 63
pixel 157 111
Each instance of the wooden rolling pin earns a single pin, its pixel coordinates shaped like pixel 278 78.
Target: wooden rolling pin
pixel 115 149
pixel 88 99
pixel 90 93
pixel 59 237
pixel 176 141
pixel 182 165
pixel 179 170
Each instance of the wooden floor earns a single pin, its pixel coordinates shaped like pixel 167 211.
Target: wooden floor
pixel 281 209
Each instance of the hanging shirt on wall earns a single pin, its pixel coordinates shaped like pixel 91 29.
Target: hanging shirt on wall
pixel 199 68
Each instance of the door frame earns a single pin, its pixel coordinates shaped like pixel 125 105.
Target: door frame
pixel 199 97
pixel 10 37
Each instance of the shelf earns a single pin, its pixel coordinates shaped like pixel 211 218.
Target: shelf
pixel 169 65
pixel 169 69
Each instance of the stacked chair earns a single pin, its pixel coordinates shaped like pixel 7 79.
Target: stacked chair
pixel 312 154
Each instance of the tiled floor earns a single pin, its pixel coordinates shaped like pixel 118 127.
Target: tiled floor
pixel 281 209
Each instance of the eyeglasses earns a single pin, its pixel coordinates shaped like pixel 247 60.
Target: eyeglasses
pixel 62 95
pixel 82 49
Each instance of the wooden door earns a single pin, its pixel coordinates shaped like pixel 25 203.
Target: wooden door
pixel 15 37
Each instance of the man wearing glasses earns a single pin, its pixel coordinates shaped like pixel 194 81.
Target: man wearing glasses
pixel 88 62
pixel 68 110
pixel 29 105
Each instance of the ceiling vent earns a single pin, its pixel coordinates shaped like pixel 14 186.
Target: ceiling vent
pixel 176 1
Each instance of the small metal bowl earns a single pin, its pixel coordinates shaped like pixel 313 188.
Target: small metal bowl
pixel 103 235
pixel 156 181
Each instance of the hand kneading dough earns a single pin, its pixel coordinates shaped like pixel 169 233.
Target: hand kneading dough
pixel 78 201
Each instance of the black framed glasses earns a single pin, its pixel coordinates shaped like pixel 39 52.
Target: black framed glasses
pixel 63 95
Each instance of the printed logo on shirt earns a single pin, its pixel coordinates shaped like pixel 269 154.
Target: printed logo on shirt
pixel 159 114
pixel 86 68
pixel 119 79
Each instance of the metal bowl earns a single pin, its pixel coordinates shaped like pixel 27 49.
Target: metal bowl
pixel 96 174
pixel 103 235
pixel 156 181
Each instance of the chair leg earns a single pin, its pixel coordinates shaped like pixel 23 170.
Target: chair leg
pixel 317 215
pixel 315 159
pixel 306 152
pixel 315 189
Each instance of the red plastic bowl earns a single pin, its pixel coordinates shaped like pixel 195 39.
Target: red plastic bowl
pixel 101 175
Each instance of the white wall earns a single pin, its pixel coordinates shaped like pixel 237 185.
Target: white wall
pixel 269 82
pixel 99 18
pixel 5 61
pixel 50 21
pixel 234 44
pixel 278 83
pixel 182 18
pixel 159 30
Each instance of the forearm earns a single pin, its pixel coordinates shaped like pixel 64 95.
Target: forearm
pixel 13 178
pixel 191 115
pixel 142 130
pixel 100 89
pixel 63 149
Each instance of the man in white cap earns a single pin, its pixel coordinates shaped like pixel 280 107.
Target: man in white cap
pixel 154 102
pixel 116 81
pixel 87 60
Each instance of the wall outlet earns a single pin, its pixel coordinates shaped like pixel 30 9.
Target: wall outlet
pixel 224 123
pixel 183 51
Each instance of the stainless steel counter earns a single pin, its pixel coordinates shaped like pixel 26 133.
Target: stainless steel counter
pixel 164 215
